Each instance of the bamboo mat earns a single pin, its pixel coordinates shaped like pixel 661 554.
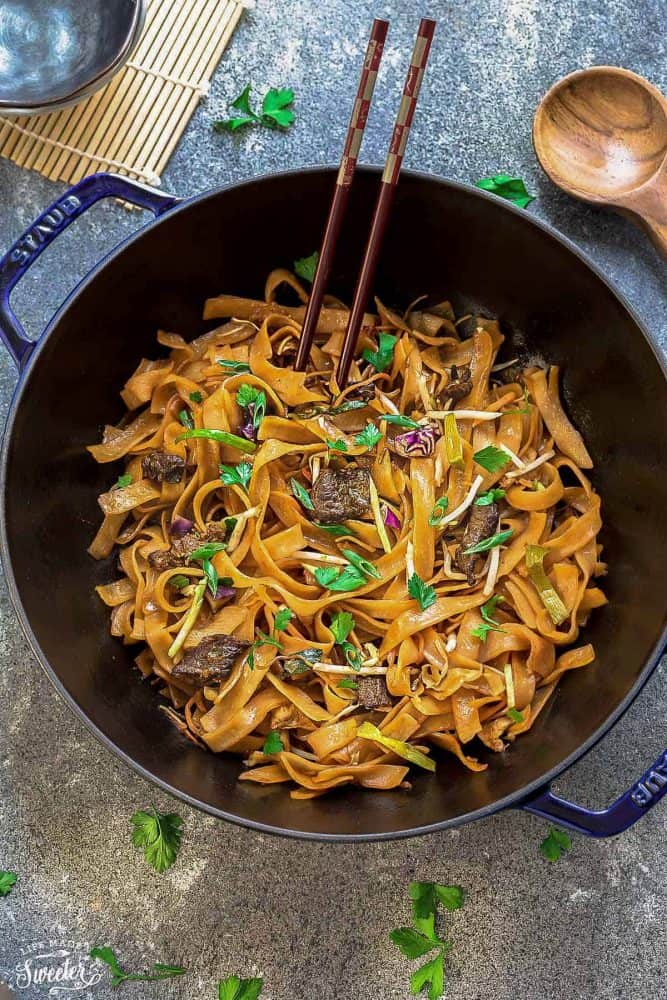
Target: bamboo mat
pixel 133 124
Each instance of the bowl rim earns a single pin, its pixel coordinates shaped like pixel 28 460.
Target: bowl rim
pixel 513 799
pixel 103 76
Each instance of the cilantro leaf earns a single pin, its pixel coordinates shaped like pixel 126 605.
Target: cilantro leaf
pixel 118 974
pixel 482 630
pixel 486 499
pixel 247 116
pixel 412 943
pixel 369 436
pixel 276 107
pixel 282 619
pixel 511 188
pixel 383 357
pixel 554 844
pixel 7 882
pixel 491 458
pixel 273 743
pixel 242 102
pixel 254 400
pixel 349 578
pixel 305 267
pixel 489 543
pixel 515 715
pixel 451 896
pixel 302 496
pixel 438 512
pixel 341 625
pixel 238 367
pixel 432 975
pixel 196 397
pixel 400 420
pixel 185 418
pixel 234 988
pixel 526 404
pixel 238 475
pixel 123 481
pixel 422 592
pixel 159 834
pixel 348 682
pixel 336 445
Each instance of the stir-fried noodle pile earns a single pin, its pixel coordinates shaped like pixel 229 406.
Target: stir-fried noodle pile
pixel 332 581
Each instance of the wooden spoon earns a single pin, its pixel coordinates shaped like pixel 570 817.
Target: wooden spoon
pixel 601 135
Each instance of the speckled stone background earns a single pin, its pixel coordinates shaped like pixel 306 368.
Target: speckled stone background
pixel 313 919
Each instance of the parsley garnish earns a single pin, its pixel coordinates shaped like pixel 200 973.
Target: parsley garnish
pixel 236 475
pixel 438 512
pixel 247 396
pixel 383 357
pixel 486 499
pixel 7 882
pixel 234 988
pixel 282 619
pixel 489 543
pixel 511 188
pixel 400 420
pixel 349 578
pixel 275 112
pixel 186 419
pixel 118 975
pixel 238 367
pixel 515 715
pixel 196 397
pixel 338 445
pixel 349 683
pixel 159 834
pixel 341 625
pixel 369 437
pixel 554 844
pixel 491 458
pixel 301 495
pixel 414 942
pixel 305 267
pixel 123 481
pixel 490 624
pixel 422 592
pixel 272 743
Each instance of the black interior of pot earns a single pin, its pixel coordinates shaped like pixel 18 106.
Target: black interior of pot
pixel 445 241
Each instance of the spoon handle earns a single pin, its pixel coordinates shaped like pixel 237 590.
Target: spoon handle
pixel 648 207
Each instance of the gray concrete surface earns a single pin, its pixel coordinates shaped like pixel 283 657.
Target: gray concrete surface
pixel 313 919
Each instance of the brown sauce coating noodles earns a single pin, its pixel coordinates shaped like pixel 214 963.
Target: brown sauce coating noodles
pixel 301 580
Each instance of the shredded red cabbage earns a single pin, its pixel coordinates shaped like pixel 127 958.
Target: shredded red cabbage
pixel 180 526
pixel 390 519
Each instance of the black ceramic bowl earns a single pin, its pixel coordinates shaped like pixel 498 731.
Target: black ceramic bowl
pixel 55 52
pixel 444 239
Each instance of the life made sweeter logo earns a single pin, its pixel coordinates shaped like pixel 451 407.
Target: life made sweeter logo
pixel 54 967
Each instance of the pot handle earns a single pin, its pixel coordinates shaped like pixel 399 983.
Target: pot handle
pixel 44 230
pixel 625 811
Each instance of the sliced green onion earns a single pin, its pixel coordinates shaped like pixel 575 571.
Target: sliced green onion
pixel 362 564
pixel 222 437
pixel 489 543
pixel 453 443
pixel 190 619
pixel 367 731
pixel 548 595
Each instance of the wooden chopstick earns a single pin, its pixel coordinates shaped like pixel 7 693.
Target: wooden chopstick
pixel 390 174
pixel 341 194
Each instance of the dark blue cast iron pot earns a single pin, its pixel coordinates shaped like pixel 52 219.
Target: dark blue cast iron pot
pixel 445 239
